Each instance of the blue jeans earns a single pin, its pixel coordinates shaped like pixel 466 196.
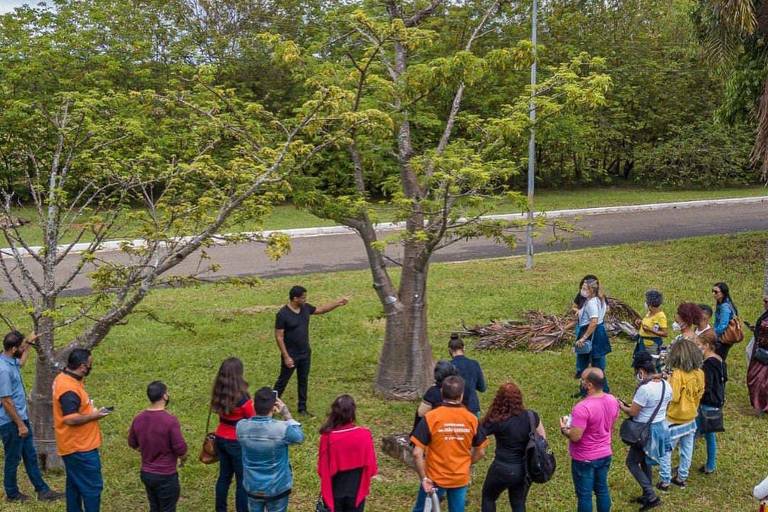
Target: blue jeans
pixel 457 496
pixel 589 477
pixel 711 440
pixel 17 449
pixel 84 482
pixel 259 505
pixel 583 361
pixel 230 464
pixel 686 454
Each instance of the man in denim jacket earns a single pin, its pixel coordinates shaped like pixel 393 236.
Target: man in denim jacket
pixel 264 441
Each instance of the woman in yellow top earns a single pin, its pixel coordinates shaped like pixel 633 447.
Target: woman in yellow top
pixel 687 381
pixel 652 328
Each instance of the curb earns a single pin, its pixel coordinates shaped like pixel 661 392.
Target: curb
pixel 115 245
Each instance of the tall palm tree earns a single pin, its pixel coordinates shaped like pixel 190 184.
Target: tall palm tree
pixel 735 32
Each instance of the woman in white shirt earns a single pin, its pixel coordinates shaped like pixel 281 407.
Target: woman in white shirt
pixel 652 392
pixel 592 343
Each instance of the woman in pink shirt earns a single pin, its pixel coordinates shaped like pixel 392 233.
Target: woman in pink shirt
pixel 346 460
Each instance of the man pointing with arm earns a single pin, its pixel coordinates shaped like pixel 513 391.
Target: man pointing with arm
pixel 292 336
pixel 15 430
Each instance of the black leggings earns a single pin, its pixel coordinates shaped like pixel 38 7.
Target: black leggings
pixel 347 505
pixel 505 477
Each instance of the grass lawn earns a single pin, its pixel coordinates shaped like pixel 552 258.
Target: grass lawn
pixel 238 321
pixel 286 216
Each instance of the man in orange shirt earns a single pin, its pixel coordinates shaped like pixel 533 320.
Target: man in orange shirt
pixel 446 444
pixel 78 436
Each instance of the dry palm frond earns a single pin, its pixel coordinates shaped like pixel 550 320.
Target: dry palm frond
pixel 539 331
pixel 739 15
pixel 12 222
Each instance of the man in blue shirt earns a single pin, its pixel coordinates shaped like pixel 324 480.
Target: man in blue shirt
pixel 15 430
pixel 267 476
pixel 470 371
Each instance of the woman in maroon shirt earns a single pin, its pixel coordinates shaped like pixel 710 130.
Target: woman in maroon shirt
pixel 231 401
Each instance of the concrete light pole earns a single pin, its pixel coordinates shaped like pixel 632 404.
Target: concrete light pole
pixel 532 142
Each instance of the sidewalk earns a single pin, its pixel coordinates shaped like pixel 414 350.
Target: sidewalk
pixel 114 245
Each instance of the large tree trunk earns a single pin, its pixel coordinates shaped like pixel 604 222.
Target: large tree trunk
pixel 41 404
pixel 405 365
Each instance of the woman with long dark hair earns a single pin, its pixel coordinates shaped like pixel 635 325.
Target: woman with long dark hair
pixel 346 459
pixel 510 422
pixel 231 401
pixel 725 310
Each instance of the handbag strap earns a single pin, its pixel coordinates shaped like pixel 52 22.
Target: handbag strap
pixel 208 422
pixel 531 420
pixel 661 401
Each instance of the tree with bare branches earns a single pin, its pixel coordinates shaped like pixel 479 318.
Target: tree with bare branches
pixel 449 165
pixel 171 168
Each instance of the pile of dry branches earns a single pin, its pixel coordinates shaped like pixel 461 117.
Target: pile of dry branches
pixel 7 221
pixel 539 331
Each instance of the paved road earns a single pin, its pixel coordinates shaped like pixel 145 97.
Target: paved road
pixel 344 252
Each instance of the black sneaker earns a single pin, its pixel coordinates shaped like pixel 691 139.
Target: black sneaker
pixel 50 495
pixel 703 469
pixel 662 486
pixel 19 498
pixel 651 504
pixel 306 414
pixel 678 482
pixel 640 500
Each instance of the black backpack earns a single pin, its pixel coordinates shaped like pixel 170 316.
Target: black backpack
pixel 539 460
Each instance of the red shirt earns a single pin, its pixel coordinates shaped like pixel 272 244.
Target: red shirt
pixel 228 422
pixel 342 449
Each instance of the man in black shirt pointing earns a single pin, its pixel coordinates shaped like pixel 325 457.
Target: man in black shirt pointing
pixel 292 335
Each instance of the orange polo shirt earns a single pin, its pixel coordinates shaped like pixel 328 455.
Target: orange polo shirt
pixel 79 438
pixel 447 435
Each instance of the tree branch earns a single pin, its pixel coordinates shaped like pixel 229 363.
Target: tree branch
pixel 420 15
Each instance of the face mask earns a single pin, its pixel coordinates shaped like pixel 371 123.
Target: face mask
pixel 167 401
pixel 646 306
pixel 87 371
pixel 676 327
pixel 584 294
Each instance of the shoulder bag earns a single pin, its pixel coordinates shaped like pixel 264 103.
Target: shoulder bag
pixel 586 348
pixel 540 462
pixel 208 453
pixel 734 333
pixel 711 421
pixel 634 433
pixel 760 354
